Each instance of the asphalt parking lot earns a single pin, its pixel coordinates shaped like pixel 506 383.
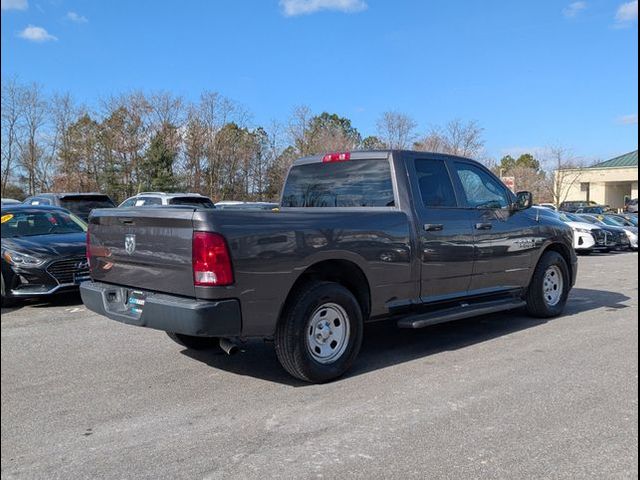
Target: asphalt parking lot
pixel 501 396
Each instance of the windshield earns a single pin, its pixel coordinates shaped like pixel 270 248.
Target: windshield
pixel 570 217
pixel 615 221
pixel 33 223
pixel 196 201
pixel 82 205
pixel 589 219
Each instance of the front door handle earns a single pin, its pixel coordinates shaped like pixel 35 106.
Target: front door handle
pixel 484 226
pixel 433 227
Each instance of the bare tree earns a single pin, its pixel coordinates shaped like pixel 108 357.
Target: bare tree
pixel 34 109
pixel 567 171
pixel 456 138
pixel 12 111
pixel 396 130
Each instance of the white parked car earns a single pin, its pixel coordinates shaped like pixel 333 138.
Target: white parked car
pixel 587 237
pixel 157 199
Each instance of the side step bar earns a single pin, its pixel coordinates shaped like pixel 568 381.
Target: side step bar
pixel 464 310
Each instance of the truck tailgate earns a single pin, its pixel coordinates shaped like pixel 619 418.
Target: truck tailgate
pixel 146 248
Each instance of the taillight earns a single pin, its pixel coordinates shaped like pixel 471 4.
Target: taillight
pixel 211 260
pixel 336 157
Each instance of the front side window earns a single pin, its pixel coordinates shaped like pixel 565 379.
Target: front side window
pixel 480 188
pixel 435 185
pixel 351 183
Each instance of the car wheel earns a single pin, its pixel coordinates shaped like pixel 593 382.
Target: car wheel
pixel 194 343
pixel 6 301
pixel 320 332
pixel 549 288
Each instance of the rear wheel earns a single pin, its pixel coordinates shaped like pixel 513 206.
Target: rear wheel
pixel 549 287
pixel 193 343
pixel 320 333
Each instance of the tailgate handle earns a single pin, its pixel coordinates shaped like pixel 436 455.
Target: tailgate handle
pixel 126 221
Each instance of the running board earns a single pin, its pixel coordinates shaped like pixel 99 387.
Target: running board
pixel 464 310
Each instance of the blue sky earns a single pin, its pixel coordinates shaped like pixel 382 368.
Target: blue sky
pixel 532 73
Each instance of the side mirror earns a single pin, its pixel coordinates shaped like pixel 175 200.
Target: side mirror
pixel 524 200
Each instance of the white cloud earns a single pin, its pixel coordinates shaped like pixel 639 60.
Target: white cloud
pixel 291 8
pixel 627 13
pixel 76 17
pixel 631 119
pixel 36 34
pixel 14 4
pixel 573 9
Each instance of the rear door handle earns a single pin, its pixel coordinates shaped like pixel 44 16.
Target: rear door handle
pixel 433 227
pixel 484 226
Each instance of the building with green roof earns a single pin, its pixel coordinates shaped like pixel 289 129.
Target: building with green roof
pixel 611 182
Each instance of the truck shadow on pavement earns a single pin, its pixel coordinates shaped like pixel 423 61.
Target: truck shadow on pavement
pixel 386 345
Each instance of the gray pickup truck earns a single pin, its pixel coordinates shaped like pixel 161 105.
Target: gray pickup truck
pixel 411 237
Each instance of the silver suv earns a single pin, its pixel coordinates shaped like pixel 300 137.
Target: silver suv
pixel 156 199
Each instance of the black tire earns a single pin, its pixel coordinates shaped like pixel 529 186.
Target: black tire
pixel 194 343
pixel 6 302
pixel 537 306
pixel 291 342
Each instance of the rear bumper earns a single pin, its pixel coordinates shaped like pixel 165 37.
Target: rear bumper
pixel 188 316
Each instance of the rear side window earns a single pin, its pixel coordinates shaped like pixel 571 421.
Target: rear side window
pixel 353 183
pixel 435 184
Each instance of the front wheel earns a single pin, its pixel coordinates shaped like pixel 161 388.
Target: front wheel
pixel 549 287
pixel 320 333
pixel 6 301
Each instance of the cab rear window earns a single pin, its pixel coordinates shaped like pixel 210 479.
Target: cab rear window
pixel 353 183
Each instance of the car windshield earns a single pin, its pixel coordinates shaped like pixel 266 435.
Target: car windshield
pixel 632 220
pixel 82 205
pixel 32 223
pixel 570 217
pixel 616 221
pixel 589 219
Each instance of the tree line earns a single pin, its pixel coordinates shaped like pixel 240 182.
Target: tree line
pixel 159 141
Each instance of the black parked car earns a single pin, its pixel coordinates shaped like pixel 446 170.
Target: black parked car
pixel 43 251
pixel 573 206
pixel 79 204
pixel 595 210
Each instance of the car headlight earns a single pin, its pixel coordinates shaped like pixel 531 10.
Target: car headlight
pixel 582 230
pixel 21 259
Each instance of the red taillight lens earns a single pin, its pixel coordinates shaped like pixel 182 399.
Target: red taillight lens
pixel 211 260
pixel 336 157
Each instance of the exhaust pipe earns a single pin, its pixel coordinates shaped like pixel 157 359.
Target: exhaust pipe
pixel 228 346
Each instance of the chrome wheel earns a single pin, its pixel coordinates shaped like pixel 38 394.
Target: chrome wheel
pixel 552 285
pixel 328 333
